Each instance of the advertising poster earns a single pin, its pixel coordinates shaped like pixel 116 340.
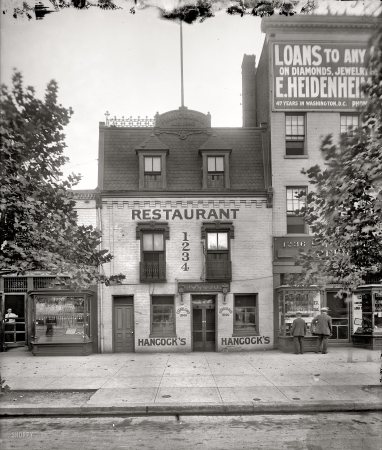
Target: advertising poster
pixel 319 76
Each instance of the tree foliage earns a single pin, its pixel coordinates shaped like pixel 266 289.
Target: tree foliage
pixel 344 209
pixel 38 222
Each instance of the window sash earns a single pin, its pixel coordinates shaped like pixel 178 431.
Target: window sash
pixel 217 241
pixel 153 242
pixel 215 164
pixel 295 127
pixel 293 203
pixel 152 164
pixel 349 122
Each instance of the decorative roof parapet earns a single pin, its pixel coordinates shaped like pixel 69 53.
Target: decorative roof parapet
pixel 129 122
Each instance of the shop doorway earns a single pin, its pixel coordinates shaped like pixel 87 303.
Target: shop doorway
pixel 123 324
pixel 203 323
pixel 14 320
pixel 339 312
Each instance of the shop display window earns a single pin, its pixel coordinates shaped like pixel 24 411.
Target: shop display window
pixel 291 300
pixel 61 319
pixel 371 322
pixel 162 314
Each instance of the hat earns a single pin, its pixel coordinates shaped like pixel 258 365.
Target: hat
pixel 299 312
pixel 324 309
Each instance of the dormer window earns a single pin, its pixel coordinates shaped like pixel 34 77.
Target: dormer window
pixel 215 169
pixel 215 153
pixel 153 172
pixel 152 155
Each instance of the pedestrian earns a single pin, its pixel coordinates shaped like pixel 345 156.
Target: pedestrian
pixel 323 329
pixel 9 330
pixel 10 316
pixel 298 332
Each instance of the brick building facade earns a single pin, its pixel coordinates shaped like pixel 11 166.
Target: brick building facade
pixel 307 86
pixel 185 211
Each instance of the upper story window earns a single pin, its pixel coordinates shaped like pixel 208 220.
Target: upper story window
pixel 153 172
pixel 349 122
pixel 215 153
pixel 152 154
pixel 153 250
pixel 295 201
pixel 217 250
pixel 295 134
pixel 215 169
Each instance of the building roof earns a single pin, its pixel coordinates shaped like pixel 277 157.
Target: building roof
pixel 184 163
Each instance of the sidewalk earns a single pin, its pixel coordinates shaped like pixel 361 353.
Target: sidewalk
pixel 346 379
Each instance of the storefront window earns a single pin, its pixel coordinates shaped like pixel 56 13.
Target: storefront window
pixel 245 314
pixel 162 313
pixel 61 319
pixel 291 301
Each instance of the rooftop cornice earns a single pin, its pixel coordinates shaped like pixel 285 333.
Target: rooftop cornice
pixel 318 21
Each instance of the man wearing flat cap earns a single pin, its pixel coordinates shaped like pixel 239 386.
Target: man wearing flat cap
pixel 298 331
pixel 323 325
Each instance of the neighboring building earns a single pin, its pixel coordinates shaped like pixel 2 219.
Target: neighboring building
pixel 307 86
pixel 185 211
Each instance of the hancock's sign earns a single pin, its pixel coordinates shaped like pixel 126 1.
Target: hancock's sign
pixel 318 76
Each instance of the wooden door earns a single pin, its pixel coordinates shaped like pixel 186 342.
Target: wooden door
pixel 14 334
pixel 339 312
pixel 123 328
pixel 203 324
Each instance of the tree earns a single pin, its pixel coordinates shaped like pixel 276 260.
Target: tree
pixel 345 208
pixel 38 222
pixel 189 11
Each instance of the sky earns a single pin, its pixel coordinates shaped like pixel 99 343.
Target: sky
pixel 129 65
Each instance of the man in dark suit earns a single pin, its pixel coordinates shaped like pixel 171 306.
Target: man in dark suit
pixel 323 326
pixel 298 331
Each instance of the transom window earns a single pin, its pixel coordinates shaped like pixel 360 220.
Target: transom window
pixel 349 123
pixel 295 201
pixel 295 134
pixel 246 314
pixel 162 315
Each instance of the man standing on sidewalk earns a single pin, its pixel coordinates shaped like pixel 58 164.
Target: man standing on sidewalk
pixel 298 331
pixel 323 326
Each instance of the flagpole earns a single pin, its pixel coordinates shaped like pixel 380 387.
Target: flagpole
pixel 181 64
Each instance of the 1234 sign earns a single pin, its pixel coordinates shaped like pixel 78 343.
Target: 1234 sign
pixel 185 252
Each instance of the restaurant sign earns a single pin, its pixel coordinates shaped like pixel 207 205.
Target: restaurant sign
pixel 318 76
pixel 203 287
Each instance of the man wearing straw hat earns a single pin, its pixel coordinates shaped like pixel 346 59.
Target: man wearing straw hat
pixel 323 325
pixel 298 331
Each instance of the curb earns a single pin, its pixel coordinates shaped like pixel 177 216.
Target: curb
pixel 193 409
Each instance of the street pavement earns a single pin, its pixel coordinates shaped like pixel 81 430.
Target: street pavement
pixel 345 379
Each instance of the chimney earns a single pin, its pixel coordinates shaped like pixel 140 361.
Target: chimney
pixel 248 77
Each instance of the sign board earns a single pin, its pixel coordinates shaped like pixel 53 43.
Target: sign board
pixel 318 76
pixel 203 287
pixel 183 118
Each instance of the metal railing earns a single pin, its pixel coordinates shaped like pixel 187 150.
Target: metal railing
pixel 153 271
pixel 219 270
pixel 129 122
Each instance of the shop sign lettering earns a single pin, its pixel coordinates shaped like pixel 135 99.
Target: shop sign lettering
pixel 246 340
pixel 185 214
pixel 320 76
pixel 204 287
pixel 161 342
pixel 225 311
pixel 183 312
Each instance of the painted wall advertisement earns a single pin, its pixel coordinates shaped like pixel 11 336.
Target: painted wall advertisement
pixel 321 77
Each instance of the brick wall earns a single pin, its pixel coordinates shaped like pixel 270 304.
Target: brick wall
pixel 251 256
